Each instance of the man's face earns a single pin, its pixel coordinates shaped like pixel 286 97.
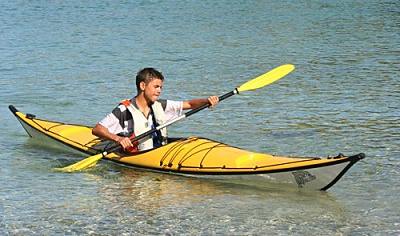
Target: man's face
pixel 152 90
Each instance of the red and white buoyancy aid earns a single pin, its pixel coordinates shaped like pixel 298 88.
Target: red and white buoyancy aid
pixel 141 125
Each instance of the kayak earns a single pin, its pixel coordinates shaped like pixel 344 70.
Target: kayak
pixel 198 157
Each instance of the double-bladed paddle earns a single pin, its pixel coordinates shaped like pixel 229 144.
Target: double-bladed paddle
pixel 256 83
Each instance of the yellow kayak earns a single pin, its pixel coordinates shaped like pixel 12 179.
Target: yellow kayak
pixel 199 157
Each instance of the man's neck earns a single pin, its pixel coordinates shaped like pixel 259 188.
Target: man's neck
pixel 143 105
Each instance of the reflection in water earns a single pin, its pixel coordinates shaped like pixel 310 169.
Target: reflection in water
pixel 163 203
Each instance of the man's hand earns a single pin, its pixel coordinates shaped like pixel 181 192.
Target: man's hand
pixel 213 100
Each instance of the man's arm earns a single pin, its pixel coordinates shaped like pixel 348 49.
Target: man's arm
pixel 193 104
pixel 102 132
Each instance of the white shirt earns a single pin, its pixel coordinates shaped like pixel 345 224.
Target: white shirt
pixel 118 125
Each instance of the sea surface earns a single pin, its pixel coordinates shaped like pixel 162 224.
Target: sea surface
pixel 73 61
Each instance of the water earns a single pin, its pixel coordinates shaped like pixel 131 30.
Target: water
pixel 73 61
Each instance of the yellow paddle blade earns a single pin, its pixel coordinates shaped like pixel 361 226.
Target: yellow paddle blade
pixel 85 163
pixel 266 78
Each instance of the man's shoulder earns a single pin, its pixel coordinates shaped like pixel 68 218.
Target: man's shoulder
pixel 163 103
pixel 120 111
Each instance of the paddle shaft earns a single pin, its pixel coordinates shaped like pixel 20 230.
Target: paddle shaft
pixel 187 114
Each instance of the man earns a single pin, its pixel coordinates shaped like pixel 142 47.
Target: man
pixel 144 112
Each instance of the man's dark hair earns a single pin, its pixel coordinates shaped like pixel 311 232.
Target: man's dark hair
pixel 146 75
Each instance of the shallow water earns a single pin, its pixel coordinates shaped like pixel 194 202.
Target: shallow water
pixel 72 62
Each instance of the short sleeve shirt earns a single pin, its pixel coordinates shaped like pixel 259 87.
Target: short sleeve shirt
pixel 120 121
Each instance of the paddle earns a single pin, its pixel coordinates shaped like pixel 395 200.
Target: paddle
pixel 256 83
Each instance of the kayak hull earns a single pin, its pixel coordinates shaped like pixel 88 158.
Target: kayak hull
pixel 198 157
